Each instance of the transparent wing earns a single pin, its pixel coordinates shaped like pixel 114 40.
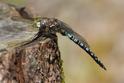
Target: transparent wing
pixel 67 28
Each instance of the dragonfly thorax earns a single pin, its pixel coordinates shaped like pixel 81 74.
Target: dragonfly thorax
pixel 49 25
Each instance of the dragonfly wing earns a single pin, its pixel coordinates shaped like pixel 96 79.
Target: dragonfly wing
pixel 66 29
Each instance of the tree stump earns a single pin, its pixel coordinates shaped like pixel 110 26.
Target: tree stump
pixel 38 62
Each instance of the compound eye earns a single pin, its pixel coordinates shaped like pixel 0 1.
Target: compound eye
pixel 38 24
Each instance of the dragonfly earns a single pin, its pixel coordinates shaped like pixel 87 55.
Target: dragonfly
pixel 51 26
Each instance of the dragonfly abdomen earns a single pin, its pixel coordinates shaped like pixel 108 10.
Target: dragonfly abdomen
pixel 84 47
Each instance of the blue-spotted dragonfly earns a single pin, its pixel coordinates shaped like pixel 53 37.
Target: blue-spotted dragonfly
pixel 50 26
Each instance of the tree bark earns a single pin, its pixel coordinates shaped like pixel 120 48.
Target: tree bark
pixel 38 62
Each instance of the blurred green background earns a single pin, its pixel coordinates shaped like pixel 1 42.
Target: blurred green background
pixel 101 23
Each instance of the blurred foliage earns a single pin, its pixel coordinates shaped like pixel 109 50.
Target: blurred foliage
pixel 17 2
